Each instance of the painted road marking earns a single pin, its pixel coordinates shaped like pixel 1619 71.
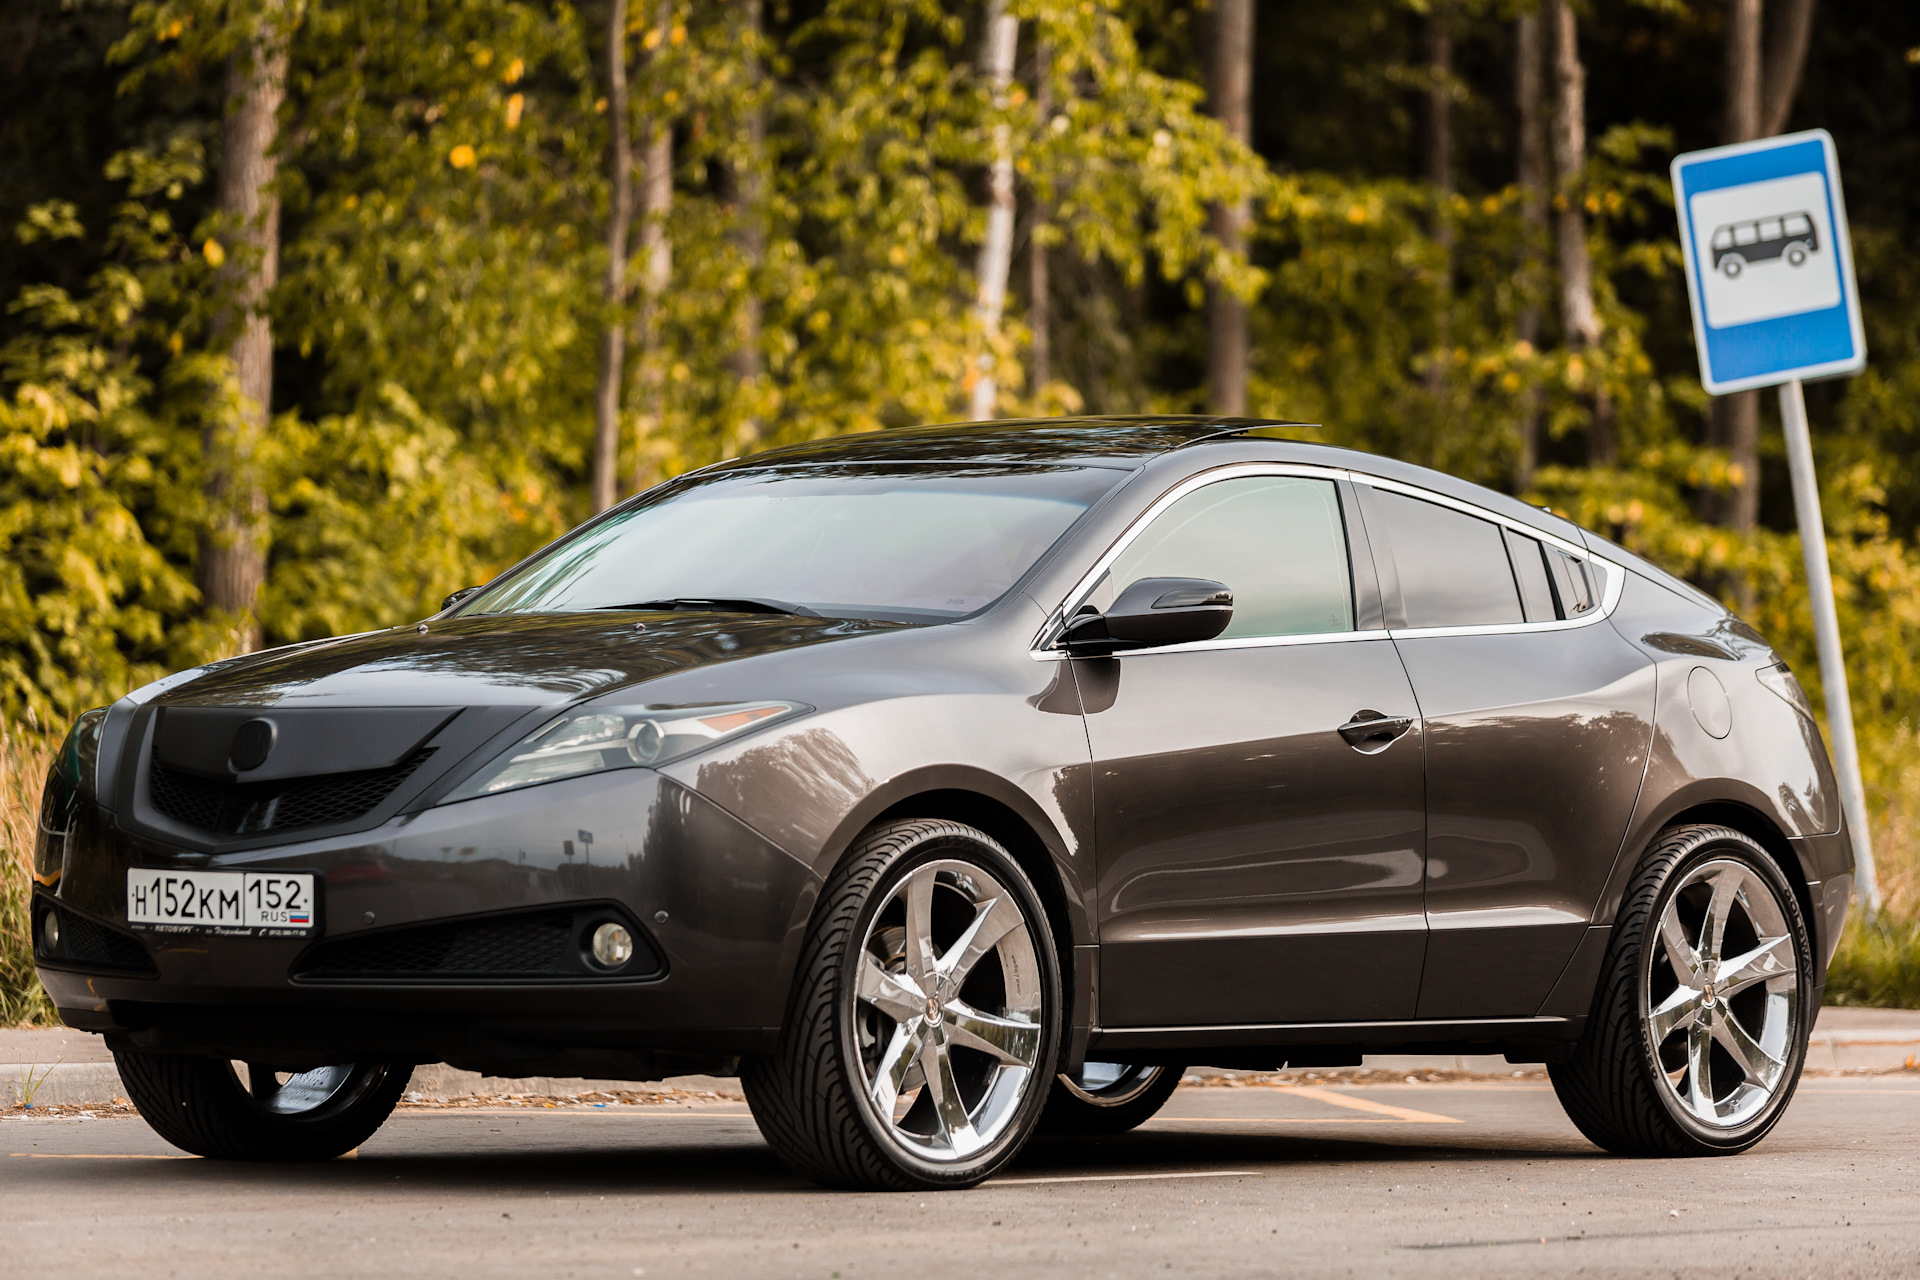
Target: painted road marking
pixel 1126 1177
pixel 71 1155
pixel 1407 1114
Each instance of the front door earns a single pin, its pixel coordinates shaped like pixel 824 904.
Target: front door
pixel 1254 864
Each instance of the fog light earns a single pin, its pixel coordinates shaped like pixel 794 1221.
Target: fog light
pixel 50 932
pixel 612 945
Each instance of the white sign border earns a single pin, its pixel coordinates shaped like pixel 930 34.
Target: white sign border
pixel 1843 241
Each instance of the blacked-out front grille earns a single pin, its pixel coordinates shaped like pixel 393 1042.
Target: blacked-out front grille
pixel 533 945
pixel 238 808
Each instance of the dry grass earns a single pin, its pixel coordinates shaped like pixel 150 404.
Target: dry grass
pixel 1878 963
pixel 25 752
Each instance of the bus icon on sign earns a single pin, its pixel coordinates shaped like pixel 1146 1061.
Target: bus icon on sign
pixel 1738 245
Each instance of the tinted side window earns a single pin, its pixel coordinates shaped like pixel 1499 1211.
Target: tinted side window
pixel 1453 567
pixel 1530 571
pixel 1276 541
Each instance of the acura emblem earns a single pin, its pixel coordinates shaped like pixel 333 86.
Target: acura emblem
pixel 252 744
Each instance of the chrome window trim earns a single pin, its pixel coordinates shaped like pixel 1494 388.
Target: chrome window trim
pixel 1044 647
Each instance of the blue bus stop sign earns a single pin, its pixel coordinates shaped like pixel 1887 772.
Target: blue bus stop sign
pixel 1763 230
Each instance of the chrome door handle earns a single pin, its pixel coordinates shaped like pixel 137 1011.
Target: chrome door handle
pixel 1372 727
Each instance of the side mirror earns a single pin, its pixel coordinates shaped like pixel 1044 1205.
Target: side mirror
pixel 456 598
pixel 1150 613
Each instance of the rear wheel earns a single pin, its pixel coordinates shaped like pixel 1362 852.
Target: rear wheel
pixel 1699 1030
pixel 255 1111
pixel 1108 1098
pixel 925 1020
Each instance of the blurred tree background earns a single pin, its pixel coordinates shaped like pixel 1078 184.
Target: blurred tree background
pixel 319 309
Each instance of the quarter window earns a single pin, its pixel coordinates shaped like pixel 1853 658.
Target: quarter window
pixel 1276 541
pixel 1453 567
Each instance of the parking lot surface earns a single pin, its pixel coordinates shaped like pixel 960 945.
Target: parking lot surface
pixel 1461 1179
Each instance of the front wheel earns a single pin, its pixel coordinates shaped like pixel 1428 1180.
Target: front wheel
pixel 925 1018
pixel 203 1105
pixel 1699 1029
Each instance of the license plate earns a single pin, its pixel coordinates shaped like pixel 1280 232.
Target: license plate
pixel 268 903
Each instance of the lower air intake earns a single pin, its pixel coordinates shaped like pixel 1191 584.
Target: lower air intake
pixel 96 946
pixel 543 945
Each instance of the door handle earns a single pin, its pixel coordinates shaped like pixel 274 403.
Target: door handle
pixel 1370 728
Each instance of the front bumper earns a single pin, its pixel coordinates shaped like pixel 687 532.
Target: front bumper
pixel 724 909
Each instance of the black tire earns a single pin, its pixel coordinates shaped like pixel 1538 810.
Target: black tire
pixel 1081 1108
pixel 1616 1088
pixel 809 1098
pixel 199 1105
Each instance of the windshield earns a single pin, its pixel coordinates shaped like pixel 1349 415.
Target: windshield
pixel 894 542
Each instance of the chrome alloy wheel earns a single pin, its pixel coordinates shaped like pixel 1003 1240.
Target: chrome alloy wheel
pixel 1111 1084
pixel 948 1015
pixel 1723 995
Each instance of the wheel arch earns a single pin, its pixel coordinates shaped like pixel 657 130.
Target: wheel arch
pixel 1723 812
pixel 999 809
pixel 1017 836
pixel 1751 822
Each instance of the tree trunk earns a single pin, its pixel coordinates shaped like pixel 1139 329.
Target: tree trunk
pixel 749 225
pixel 656 272
pixel 1532 178
pixel 613 339
pixel 1735 421
pixel 1786 58
pixel 232 563
pixel 996 250
pixel 1440 174
pixel 1039 286
pixel 1578 316
pixel 1230 88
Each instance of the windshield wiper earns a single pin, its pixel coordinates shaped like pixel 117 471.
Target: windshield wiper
pixel 721 604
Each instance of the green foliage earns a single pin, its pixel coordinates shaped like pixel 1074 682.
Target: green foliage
pixel 444 179
pixel 103 406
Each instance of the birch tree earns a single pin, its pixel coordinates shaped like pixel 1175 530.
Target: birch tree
pixel 995 260
pixel 613 335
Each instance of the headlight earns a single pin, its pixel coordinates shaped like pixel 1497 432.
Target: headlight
pixel 71 778
pixel 595 739
pixel 71 782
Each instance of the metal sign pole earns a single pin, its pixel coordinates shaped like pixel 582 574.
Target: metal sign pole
pixel 1826 632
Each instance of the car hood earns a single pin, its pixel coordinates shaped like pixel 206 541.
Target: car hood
pixel 504 659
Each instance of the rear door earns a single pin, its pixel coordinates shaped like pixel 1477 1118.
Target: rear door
pixel 1538 720
pixel 1254 865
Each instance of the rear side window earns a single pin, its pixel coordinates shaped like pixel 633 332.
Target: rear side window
pixel 1529 561
pixel 1277 542
pixel 1453 567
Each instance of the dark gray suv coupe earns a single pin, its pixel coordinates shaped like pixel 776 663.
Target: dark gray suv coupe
pixel 957 782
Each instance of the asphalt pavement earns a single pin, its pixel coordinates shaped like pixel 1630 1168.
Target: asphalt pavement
pixel 1462 1179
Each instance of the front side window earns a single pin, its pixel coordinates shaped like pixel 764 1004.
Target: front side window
pixel 1277 542
pixel 904 543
